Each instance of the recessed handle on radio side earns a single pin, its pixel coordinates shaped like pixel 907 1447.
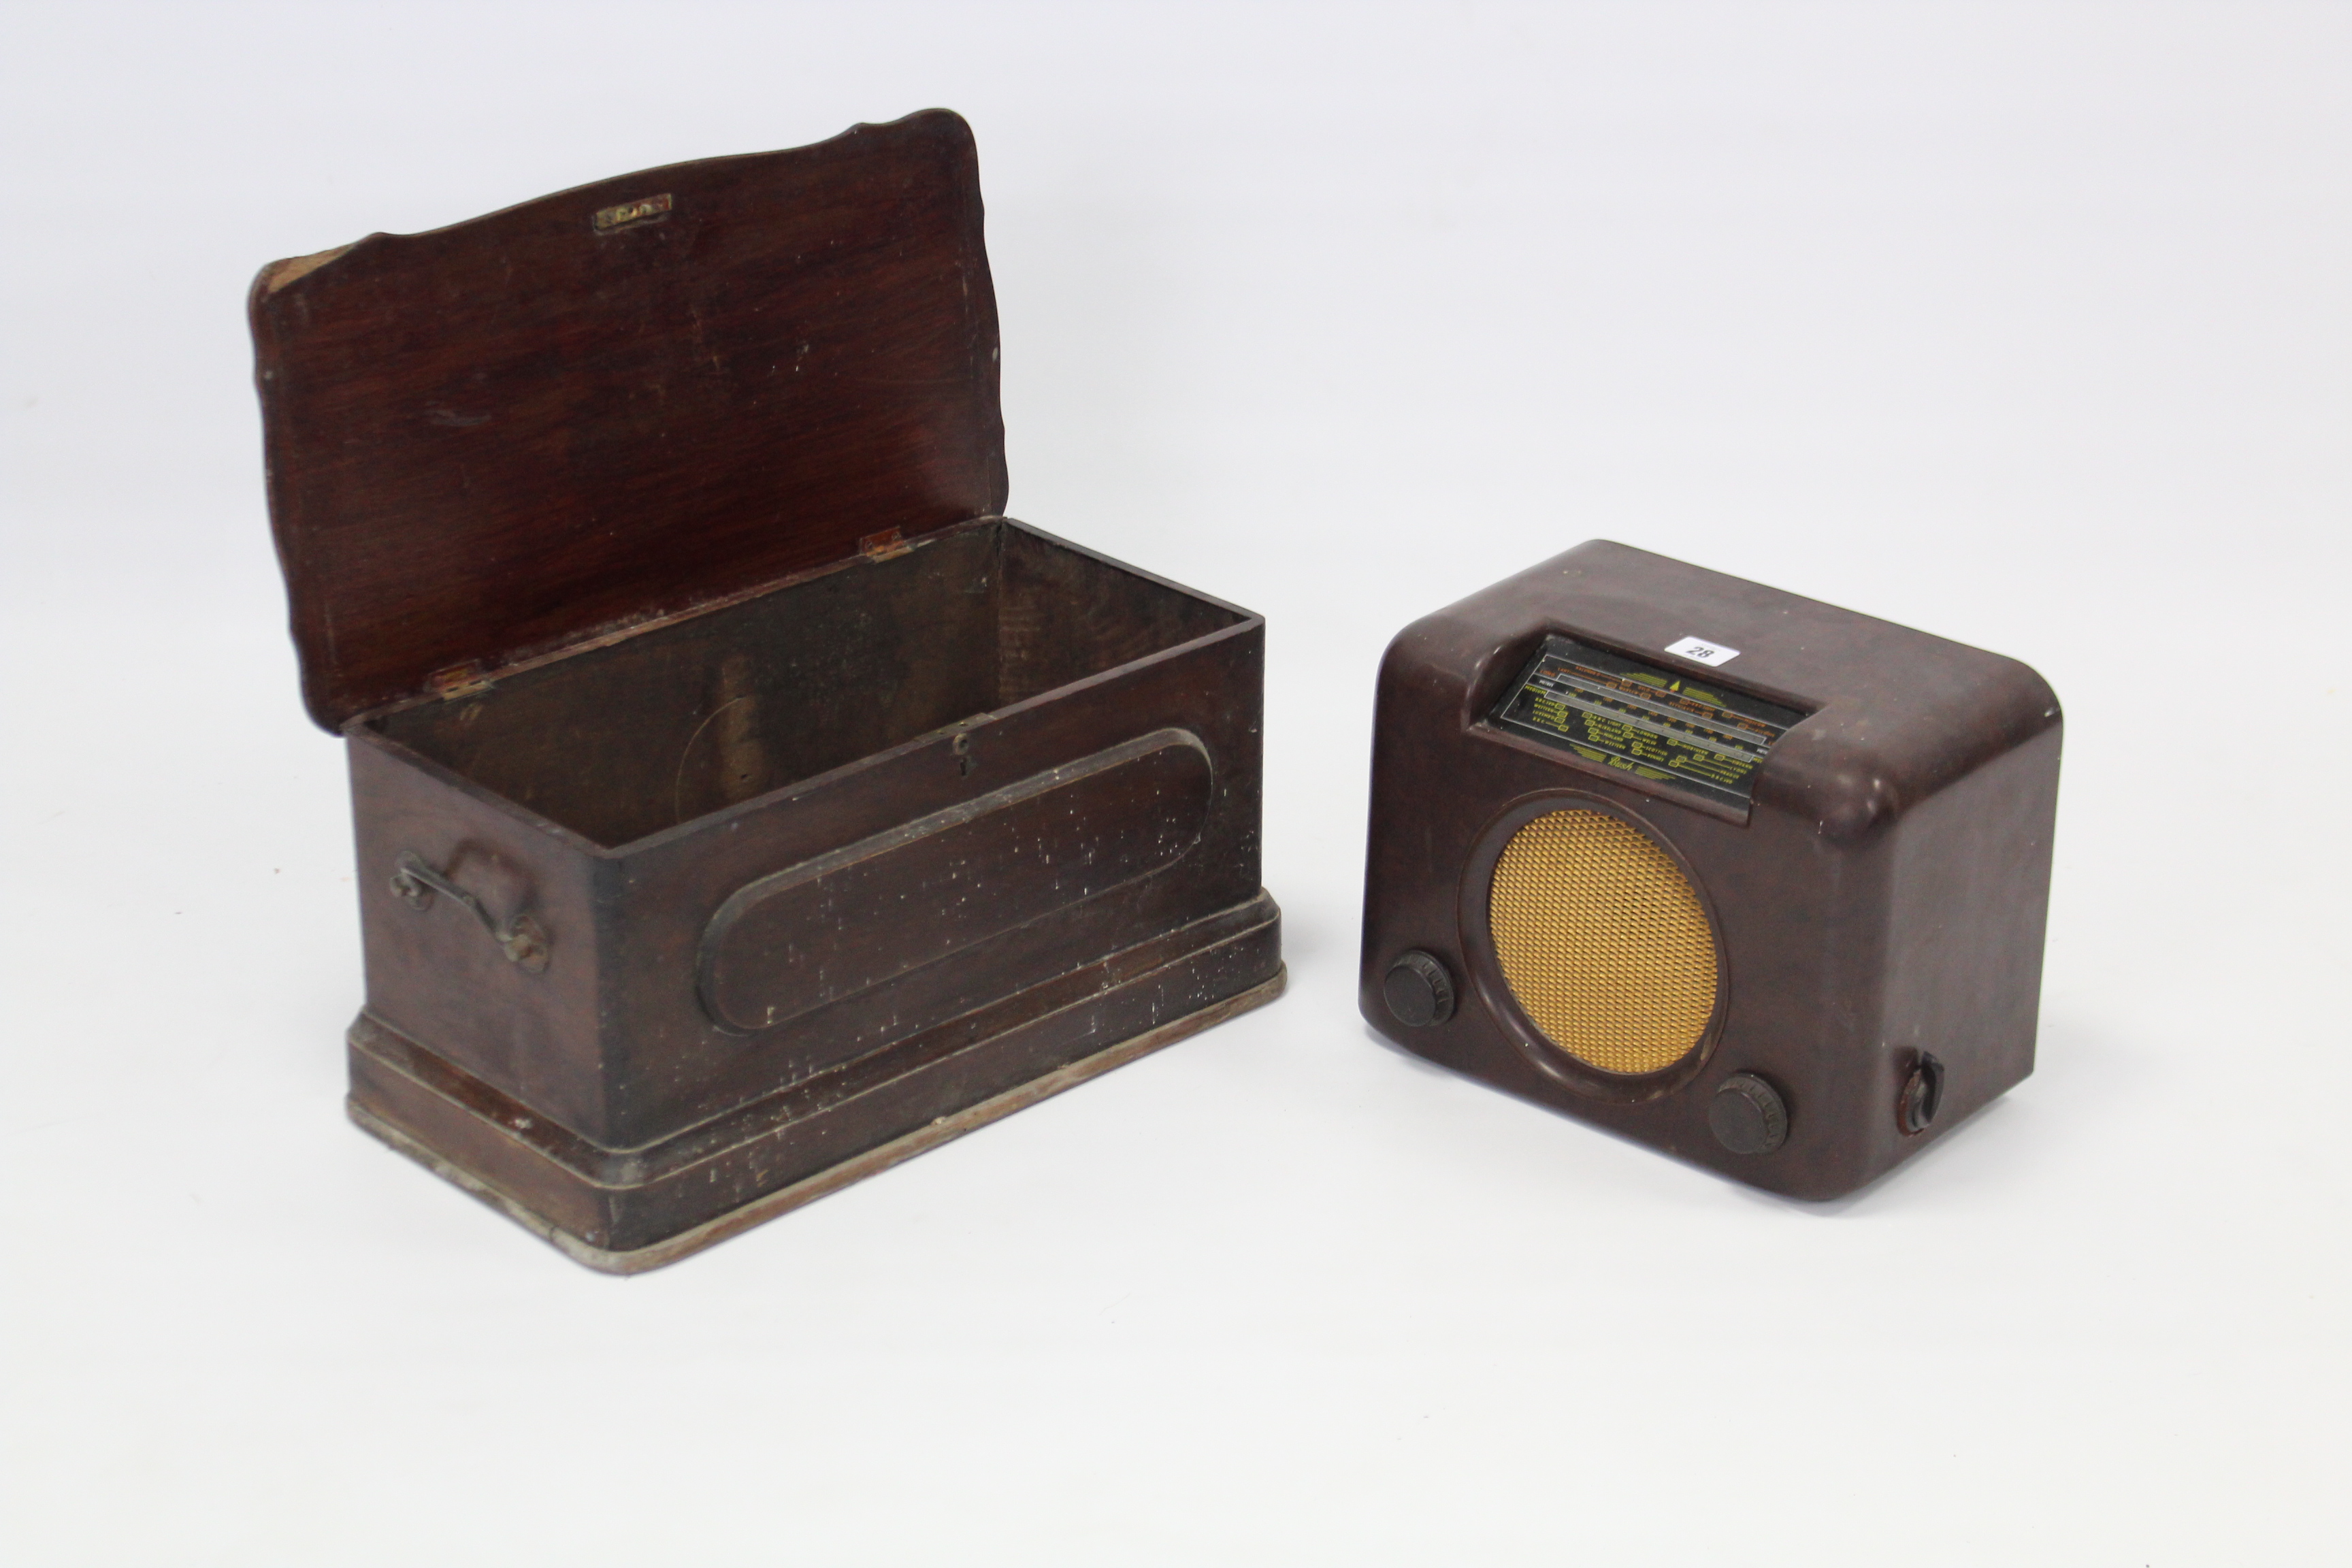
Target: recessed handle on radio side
pixel 520 939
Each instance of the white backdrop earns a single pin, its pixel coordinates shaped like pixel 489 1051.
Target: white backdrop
pixel 2026 325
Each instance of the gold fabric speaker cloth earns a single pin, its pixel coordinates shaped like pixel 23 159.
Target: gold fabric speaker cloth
pixel 1603 941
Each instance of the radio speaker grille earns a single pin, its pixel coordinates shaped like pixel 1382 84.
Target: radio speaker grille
pixel 1603 941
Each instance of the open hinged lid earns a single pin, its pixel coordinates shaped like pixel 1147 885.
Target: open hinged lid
pixel 541 427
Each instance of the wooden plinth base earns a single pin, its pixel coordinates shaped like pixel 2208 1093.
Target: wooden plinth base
pixel 627 1211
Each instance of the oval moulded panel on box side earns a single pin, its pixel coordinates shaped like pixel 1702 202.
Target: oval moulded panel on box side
pixel 845 921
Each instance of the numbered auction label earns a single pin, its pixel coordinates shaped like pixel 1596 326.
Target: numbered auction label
pixel 1703 650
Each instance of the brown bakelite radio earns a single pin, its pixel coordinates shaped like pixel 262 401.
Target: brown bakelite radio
pixel 743 803
pixel 1750 879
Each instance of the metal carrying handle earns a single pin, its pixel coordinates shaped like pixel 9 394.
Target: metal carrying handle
pixel 522 941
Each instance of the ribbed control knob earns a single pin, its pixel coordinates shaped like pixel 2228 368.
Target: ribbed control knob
pixel 1418 990
pixel 1748 1115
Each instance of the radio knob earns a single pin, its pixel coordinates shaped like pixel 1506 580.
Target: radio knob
pixel 1418 990
pixel 1923 1095
pixel 1748 1115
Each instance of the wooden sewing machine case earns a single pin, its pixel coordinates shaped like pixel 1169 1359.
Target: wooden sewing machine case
pixel 743 803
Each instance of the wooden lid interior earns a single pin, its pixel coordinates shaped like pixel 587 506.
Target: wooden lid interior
pixel 537 429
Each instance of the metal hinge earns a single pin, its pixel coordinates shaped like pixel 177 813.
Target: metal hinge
pixel 886 546
pixel 458 680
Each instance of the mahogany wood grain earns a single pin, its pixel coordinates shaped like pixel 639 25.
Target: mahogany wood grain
pixel 645 544
pixel 498 439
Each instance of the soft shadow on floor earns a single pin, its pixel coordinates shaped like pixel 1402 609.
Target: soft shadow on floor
pixel 1963 1134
